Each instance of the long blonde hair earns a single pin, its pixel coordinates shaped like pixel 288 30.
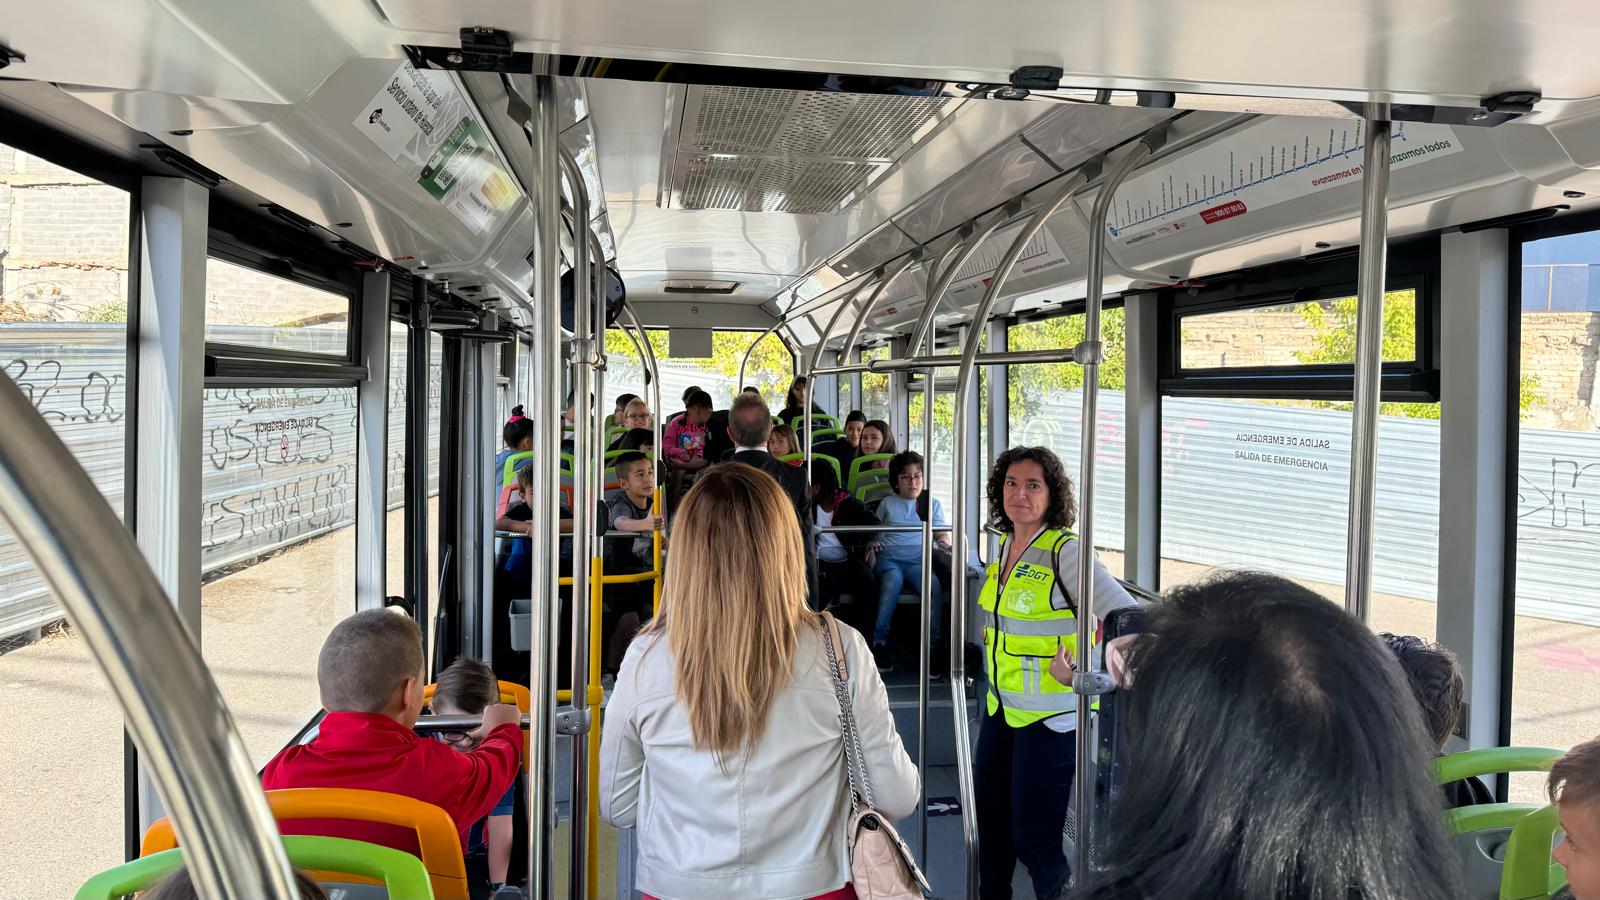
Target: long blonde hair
pixel 733 603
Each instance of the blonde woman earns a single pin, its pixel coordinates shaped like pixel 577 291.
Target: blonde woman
pixel 722 742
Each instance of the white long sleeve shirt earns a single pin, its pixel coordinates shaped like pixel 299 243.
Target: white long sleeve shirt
pixel 767 827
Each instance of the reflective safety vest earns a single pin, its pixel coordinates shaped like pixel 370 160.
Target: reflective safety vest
pixel 1023 627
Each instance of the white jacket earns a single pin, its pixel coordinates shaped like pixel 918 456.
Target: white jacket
pixel 770 827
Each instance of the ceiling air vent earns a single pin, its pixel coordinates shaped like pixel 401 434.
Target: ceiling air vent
pixel 686 286
pixel 768 150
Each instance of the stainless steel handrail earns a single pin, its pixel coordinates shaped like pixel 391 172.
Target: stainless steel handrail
pixel 1373 263
pixel 583 511
pixel 997 358
pixel 1086 682
pixel 183 731
pixel 956 623
pixel 545 189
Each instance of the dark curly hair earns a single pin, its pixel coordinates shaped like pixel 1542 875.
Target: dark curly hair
pixel 1063 509
pixel 1435 680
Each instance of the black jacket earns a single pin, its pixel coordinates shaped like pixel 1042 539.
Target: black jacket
pixel 793 481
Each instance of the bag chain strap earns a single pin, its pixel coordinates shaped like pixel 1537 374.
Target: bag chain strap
pixel 855 765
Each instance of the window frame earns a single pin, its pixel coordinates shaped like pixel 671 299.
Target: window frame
pixel 1413 265
pixel 238 237
pixel 1516 237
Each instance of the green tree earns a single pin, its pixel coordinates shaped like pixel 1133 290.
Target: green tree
pixel 1032 385
pixel 1333 325
pixel 110 311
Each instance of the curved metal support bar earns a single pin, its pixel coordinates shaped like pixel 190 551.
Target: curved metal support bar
pixel 827 333
pixel 958 594
pixel 752 348
pixel 647 356
pixel 177 719
pixel 953 261
pixel 872 302
pixel 1090 358
pixel 584 494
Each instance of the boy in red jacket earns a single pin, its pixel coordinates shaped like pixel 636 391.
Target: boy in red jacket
pixel 371 674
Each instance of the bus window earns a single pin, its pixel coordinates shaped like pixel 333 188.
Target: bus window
pixel 1557 661
pixel 875 388
pixel 1311 332
pixel 1046 410
pixel 64 240
pixel 276 538
pixel 770 369
pixel 254 309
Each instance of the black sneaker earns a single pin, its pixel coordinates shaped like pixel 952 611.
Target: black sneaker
pixel 880 655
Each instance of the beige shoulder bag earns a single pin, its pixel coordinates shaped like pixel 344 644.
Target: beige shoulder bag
pixel 881 866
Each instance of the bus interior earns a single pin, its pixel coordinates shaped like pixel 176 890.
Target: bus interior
pixel 273 277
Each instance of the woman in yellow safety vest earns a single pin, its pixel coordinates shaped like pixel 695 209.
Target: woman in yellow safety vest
pixel 1026 743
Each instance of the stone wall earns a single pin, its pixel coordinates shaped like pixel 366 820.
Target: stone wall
pixel 1559 354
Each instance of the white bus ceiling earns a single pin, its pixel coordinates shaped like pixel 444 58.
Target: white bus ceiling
pixel 793 196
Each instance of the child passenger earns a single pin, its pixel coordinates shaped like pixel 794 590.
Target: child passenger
pixel 899 562
pixel 467 688
pixel 686 439
pixel 629 605
pixel 1575 789
pixel 1437 684
pixel 370 674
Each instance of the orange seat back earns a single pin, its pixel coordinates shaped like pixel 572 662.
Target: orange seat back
pixel 436 831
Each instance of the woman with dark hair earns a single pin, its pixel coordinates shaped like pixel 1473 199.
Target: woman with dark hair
pixel 798 401
pixel 1026 741
pixel 1269 757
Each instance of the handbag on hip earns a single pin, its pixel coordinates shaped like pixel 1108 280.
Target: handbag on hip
pixel 881 866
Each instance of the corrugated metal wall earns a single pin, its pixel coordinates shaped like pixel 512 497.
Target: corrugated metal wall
pixel 279 462
pixel 1242 482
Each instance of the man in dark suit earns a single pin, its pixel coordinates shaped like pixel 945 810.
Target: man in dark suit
pixel 749 425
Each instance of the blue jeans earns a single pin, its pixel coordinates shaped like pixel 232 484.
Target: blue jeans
pixel 895 574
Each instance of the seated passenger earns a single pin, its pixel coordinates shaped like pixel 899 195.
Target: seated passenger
pixel 467 688
pixel 642 440
pixel 844 561
pixel 621 408
pixel 686 440
pixel 797 402
pixel 781 442
pixel 628 605
pixel 1575 790
pixel 635 415
pixel 1437 684
pixel 518 437
pixel 899 562
pixel 179 886
pixel 370 673
pixel 688 392
pixel 846 447
pixel 727 701
pixel 877 438
pixel 1268 759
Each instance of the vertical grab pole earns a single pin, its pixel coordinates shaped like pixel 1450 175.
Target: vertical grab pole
pixel 956 623
pixel 419 385
pixel 544 527
pixel 1089 355
pixel 926 634
pixel 745 361
pixel 1369 359
pixel 597 295
pixel 584 523
pixel 816 363
pixel 647 356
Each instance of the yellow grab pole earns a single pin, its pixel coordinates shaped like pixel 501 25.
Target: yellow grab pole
pixel 596 696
